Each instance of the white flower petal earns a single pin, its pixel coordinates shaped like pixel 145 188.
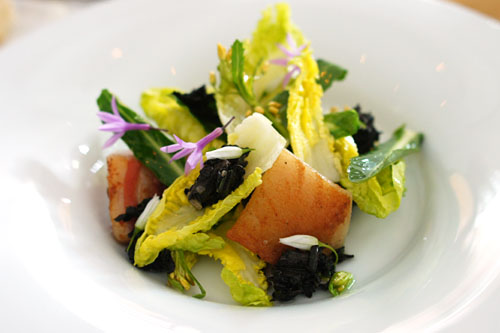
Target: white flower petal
pixel 302 242
pixel 225 153
pixel 150 207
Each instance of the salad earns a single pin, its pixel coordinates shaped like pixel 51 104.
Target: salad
pixel 250 171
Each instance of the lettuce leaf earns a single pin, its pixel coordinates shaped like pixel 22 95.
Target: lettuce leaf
pixel 198 242
pixel 175 219
pixel 310 138
pixel 271 29
pixel 243 274
pixel 161 105
pixel 379 195
pixel 255 79
pixel 184 256
pixel 382 194
pixel 242 270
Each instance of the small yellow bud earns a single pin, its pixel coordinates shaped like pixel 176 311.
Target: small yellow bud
pixel 274 110
pixel 229 54
pixel 259 109
pixel 275 104
pixel 221 51
pixel 212 78
pixel 265 66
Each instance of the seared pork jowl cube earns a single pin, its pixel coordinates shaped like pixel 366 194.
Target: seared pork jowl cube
pixel 129 183
pixel 292 199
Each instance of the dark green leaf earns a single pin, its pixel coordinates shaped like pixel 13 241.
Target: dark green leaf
pixel 402 143
pixel 282 98
pixel 202 106
pixel 237 70
pixel 145 144
pixel 343 123
pixel 280 121
pixel 329 72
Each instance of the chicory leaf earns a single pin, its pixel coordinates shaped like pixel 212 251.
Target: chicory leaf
pixel 344 123
pixel 329 72
pixel 237 69
pixel 402 143
pixel 145 144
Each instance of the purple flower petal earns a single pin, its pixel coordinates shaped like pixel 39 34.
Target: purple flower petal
pixel 291 41
pixel 112 140
pixel 178 140
pixel 193 160
pixel 171 148
pixel 288 53
pixel 182 153
pixel 279 61
pixel 291 53
pixel 108 117
pixel 114 107
pixel 113 127
pixel 289 75
pixel 136 127
pixel 301 48
pixel 209 138
pixel 115 123
pixel 194 150
pixel 121 126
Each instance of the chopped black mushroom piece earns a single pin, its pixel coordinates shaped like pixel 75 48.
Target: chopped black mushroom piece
pixel 303 272
pixel 202 105
pixel 163 263
pixel 217 180
pixel 133 212
pixel 365 138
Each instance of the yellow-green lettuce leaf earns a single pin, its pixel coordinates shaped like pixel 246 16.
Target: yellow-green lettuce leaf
pixel 197 242
pixel 160 105
pixel 379 195
pixel 175 220
pixel 242 270
pixel 262 79
pixel 309 136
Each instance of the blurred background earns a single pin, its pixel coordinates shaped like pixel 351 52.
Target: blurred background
pixel 20 17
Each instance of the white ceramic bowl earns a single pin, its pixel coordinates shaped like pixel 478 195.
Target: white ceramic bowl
pixel 431 265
